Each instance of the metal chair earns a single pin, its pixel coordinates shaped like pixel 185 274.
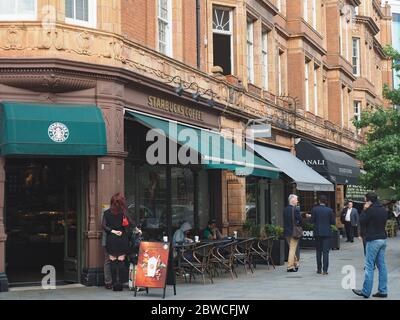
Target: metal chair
pixel 200 263
pixel 263 249
pixel 243 253
pixel 223 257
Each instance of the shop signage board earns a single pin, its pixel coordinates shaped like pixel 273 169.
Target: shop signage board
pixel 153 266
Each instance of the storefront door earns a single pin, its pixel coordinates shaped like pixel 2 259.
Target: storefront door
pixel 43 219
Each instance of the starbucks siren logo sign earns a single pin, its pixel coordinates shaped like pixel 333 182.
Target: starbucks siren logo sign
pixel 58 132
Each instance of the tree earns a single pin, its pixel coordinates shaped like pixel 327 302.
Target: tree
pixel 381 153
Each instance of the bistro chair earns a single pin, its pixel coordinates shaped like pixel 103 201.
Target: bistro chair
pixel 200 262
pixel 181 254
pixel 243 253
pixel 263 249
pixel 223 257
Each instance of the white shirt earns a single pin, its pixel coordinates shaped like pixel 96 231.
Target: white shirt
pixel 348 214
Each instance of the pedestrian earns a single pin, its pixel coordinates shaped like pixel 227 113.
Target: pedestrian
pixel 291 219
pixel 350 219
pixel 323 218
pixel 107 261
pixel 374 219
pixel 116 224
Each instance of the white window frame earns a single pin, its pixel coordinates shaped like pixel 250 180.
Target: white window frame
pixel 306 85
pixel 92 16
pixel 280 87
pixel 264 55
pixel 357 106
pixel 356 41
pixel 314 14
pixel 279 5
pixel 228 33
pixel 168 31
pixel 340 35
pixel 21 17
pixel 347 38
pixel 342 107
pixel 305 9
pixel 250 50
pixel 315 90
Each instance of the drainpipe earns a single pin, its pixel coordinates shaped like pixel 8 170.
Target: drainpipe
pixel 198 32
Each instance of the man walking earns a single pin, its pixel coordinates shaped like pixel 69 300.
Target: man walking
pixel 374 219
pixel 291 218
pixel 322 217
pixel 350 219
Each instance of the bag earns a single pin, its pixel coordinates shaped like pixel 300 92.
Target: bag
pixel 125 221
pixel 297 230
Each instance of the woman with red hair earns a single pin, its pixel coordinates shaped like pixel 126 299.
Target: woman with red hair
pixel 116 224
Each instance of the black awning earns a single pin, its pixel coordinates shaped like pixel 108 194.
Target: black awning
pixel 336 166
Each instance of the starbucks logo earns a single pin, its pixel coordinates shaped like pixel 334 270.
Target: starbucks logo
pixel 58 132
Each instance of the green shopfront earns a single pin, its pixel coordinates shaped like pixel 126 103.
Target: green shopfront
pixel 46 151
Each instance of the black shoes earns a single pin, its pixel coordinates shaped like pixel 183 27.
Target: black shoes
pixel 324 273
pixel 292 270
pixel 360 293
pixel 380 295
pixel 319 272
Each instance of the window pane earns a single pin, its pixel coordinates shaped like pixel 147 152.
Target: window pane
pixel 163 9
pixel 69 8
pixel 26 6
pixel 221 20
pixel 82 10
pixel 7 7
pixel 182 192
pixel 162 31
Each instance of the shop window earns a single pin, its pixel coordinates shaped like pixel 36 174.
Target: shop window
pixel 18 10
pixel 81 12
pixel 222 39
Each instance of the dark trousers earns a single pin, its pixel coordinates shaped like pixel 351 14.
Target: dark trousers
pixel 349 231
pixel 323 245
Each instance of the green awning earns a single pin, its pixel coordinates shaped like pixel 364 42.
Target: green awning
pixel 51 129
pixel 216 151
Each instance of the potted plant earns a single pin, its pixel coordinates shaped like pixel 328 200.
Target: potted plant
pixel 278 248
pixel 335 244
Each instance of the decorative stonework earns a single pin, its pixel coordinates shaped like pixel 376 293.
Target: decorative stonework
pixel 25 40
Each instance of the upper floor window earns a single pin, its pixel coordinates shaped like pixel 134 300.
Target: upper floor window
pixel 222 39
pixel 250 51
pixel 356 57
pixel 314 13
pixel 18 9
pixel 357 110
pixel 316 89
pixel 81 12
pixel 306 85
pixel 264 54
pixel 165 27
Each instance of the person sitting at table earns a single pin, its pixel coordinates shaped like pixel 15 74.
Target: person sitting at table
pixel 212 232
pixel 181 234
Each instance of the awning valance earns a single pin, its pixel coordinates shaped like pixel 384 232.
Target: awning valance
pixel 51 129
pixel 306 178
pixel 216 152
pixel 336 166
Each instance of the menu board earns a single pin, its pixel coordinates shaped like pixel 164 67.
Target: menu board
pixel 152 265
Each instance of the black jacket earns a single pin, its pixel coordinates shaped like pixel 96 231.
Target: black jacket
pixel 287 220
pixel 373 221
pixel 322 217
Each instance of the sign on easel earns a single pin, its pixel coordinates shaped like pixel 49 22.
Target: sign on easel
pixel 154 265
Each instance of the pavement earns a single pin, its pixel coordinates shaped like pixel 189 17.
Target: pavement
pixel 263 284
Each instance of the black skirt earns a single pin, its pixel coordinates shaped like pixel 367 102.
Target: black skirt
pixel 117 246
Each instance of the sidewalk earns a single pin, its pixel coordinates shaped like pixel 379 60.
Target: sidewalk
pixel 263 284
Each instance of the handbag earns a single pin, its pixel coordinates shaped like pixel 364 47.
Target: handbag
pixel 297 230
pixel 125 221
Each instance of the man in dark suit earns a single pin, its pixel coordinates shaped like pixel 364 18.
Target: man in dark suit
pixel 322 217
pixel 350 219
